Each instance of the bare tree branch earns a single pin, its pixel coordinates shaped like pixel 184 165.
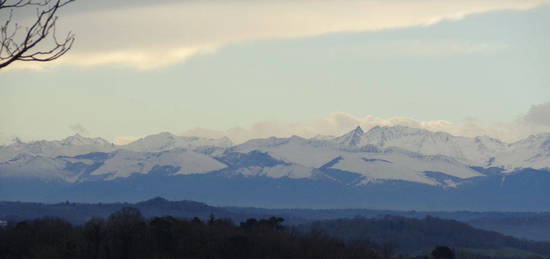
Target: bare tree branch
pixel 13 47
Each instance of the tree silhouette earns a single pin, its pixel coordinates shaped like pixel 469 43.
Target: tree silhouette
pixel 126 230
pixel 127 234
pixel 37 42
pixel 443 252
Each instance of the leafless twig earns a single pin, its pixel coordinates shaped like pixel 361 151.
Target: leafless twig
pixel 14 48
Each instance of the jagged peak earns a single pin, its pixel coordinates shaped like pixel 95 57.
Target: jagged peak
pixel 17 141
pixel 352 138
pixel 358 130
pixel 78 139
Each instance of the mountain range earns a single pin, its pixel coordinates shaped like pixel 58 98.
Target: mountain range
pixel 385 167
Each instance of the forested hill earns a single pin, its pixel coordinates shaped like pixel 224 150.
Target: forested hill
pixel 79 213
pixel 409 234
pixel 127 234
pixel 530 226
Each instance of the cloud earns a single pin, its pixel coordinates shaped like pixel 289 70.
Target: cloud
pixel 536 120
pixel 156 35
pixel 428 49
pixel 334 124
pixel 125 140
pixel 539 115
pixel 79 129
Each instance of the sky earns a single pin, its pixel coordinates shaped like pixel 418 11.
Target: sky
pixel 259 68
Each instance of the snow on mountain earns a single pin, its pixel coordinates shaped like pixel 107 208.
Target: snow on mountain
pixel 397 165
pixel 473 151
pixel 279 171
pixel 382 153
pixel 380 169
pixel 257 163
pixel 373 163
pixel 78 145
pixel 352 139
pixel 296 150
pixel 532 152
pixel 34 166
pixel 124 163
pixel 70 146
pixel 166 141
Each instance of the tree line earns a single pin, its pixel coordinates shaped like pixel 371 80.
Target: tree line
pixel 127 234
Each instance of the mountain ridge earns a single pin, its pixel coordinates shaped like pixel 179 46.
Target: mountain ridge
pixel 404 149
pixel 356 164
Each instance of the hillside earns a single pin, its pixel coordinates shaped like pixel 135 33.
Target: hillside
pixel 410 235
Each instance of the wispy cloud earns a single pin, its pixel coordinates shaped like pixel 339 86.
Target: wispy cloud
pixel 123 140
pixel 536 120
pixel 445 48
pixel 79 129
pixel 539 115
pixel 153 36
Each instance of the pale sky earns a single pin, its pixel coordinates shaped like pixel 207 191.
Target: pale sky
pixel 256 68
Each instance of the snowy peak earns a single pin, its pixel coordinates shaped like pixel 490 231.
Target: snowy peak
pixel 532 152
pixel 352 139
pixel 381 153
pixel 472 151
pixel 124 163
pixel 157 142
pixel 79 140
pixel 387 136
pixel 538 141
pixel 384 136
pixel 397 136
pixel 166 141
pixel 70 146
pixel 358 131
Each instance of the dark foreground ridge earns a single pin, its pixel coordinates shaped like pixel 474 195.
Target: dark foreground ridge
pixel 367 232
pixel 529 225
pixel 127 234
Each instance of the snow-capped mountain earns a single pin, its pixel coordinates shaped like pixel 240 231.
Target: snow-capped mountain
pixel 352 139
pixel 379 154
pixel 402 166
pixel 79 145
pixel 532 152
pixel 472 151
pixel 371 162
pixel 482 151
pixel 33 166
pixel 166 141
pixel 70 146
pixel 123 163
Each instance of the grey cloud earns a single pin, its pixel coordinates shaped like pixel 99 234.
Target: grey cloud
pixel 536 120
pixel 539 115
pixel 78 128
pixel 151 34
